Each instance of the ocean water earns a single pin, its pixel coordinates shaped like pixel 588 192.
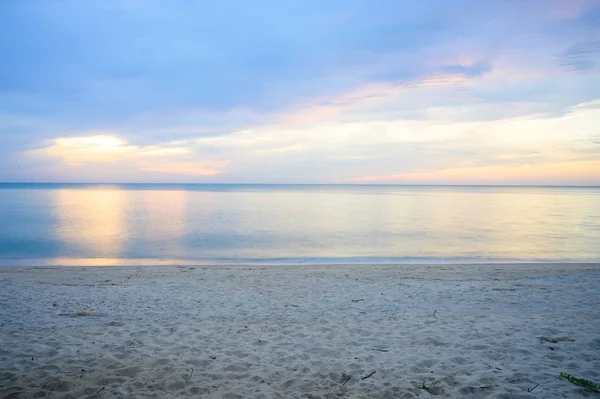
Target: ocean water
pixel 101 224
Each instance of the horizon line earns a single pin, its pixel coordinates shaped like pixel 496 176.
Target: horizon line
pixel 308 184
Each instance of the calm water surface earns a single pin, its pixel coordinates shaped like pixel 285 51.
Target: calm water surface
pixel 145 223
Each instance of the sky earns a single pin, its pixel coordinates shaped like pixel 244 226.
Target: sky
pixel 300 91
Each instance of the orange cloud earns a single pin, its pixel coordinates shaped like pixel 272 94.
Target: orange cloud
pixel 576 171
pixel 101 148
pixel 86 150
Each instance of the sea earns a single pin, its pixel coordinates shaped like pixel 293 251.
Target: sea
pixel 44 224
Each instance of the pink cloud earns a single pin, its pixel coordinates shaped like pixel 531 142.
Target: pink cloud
pixel 363 97
pixel 568 9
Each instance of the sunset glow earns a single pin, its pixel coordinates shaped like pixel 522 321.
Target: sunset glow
pixel 367 96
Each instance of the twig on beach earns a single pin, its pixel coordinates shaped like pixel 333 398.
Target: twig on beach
pixel 556 340
pixel 79 314
pixel 100 390
pixel 379 350
pixel 531 389
pixel 345 378
pixel 357 300
pixel 369 375
pixel 434 313
pixel 190 376
pixel 292 305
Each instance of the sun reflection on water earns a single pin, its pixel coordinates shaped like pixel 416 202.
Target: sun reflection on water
pixel 92 221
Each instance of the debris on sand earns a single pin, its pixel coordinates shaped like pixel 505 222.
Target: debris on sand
pixel 367 375
pixel 79 314
pixel 345 378
pixel 556 340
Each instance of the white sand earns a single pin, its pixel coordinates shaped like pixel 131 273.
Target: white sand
pixel 292 332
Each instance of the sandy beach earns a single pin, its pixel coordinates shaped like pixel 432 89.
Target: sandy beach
pixel 343 331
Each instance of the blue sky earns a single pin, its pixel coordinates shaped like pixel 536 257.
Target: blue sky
pixel 438 91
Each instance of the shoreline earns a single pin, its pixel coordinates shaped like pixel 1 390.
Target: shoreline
pixel 297 331
pixel 292 262
pixel 425 271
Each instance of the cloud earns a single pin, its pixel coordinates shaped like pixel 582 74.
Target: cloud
pixel 570 9
pixel 347 146
pixel 186 168
pixel 509 150
pixel 580 57
pixel 100 148
pixel 574 172
pixel 114 66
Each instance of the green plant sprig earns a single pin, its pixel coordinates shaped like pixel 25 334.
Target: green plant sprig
pixel 580 381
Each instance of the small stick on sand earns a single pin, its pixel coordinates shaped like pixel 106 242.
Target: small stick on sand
pixel 379 350
pixel 369 375
pixel 357 300
pixel 531 390
pixel 190 376
pixel 434 313
pixel 345 378
pixel 100 390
